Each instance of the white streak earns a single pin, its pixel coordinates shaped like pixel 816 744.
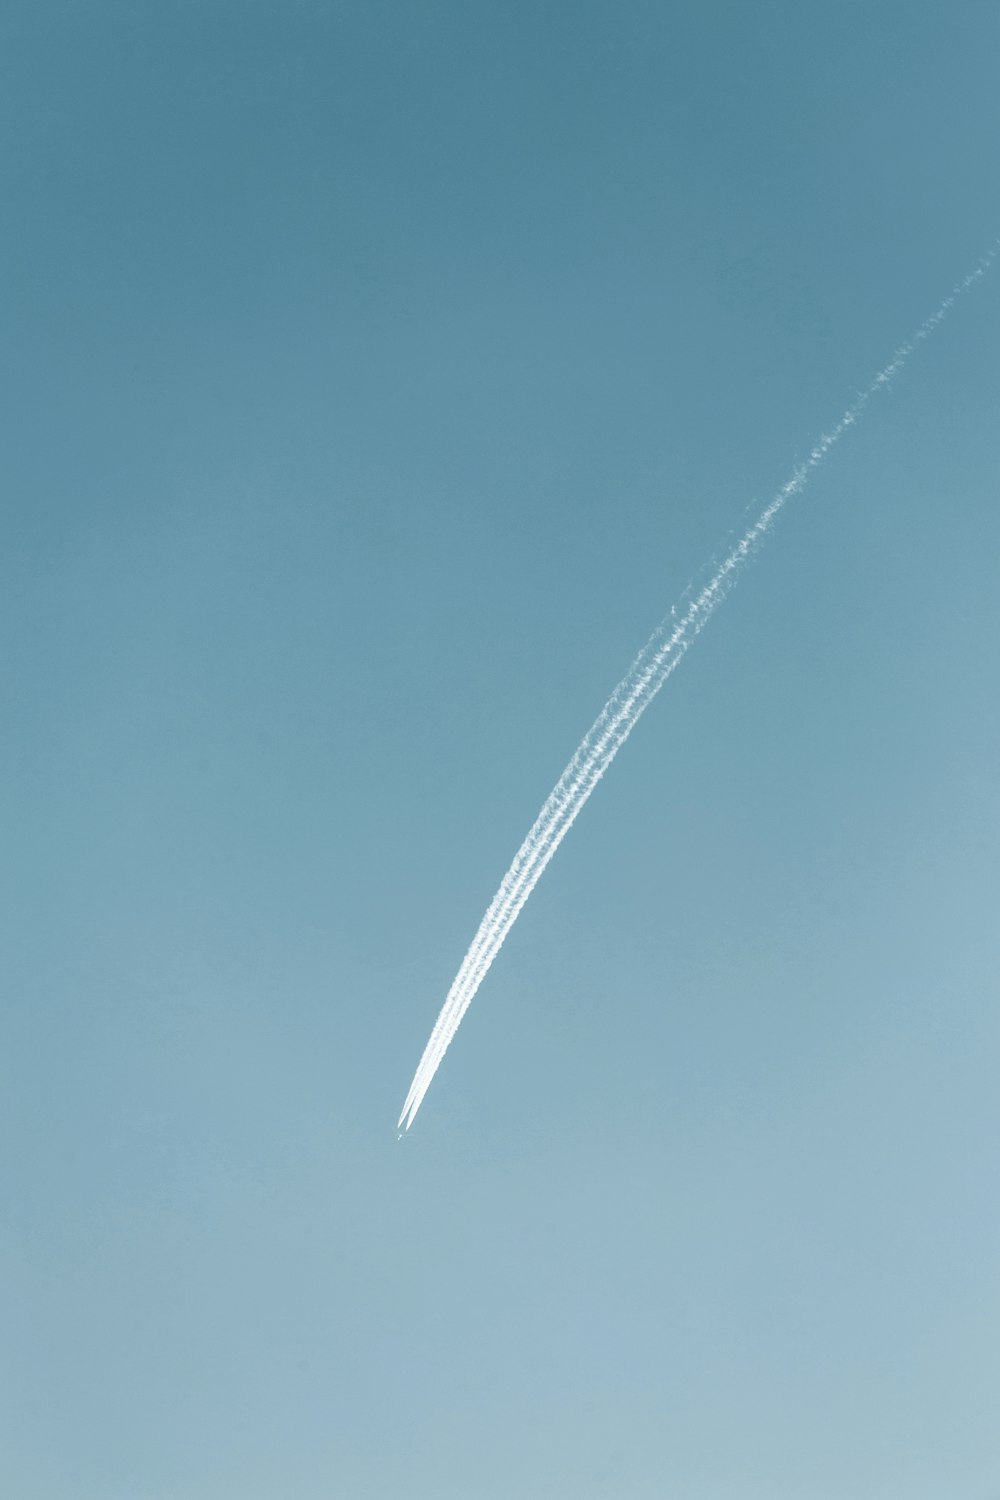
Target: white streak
pixel 619 716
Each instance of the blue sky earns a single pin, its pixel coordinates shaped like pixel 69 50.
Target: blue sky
pixel 376 377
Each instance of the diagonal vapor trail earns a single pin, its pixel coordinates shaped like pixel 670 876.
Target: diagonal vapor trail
pixel 663 651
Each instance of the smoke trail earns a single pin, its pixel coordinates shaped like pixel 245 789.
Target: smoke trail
pixel 619 716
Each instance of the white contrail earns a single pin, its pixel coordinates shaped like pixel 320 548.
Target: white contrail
pixel 619 716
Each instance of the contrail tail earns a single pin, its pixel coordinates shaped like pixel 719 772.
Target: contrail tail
pixel 620 714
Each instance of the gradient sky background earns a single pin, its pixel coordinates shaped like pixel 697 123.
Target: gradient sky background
pixel 375 378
